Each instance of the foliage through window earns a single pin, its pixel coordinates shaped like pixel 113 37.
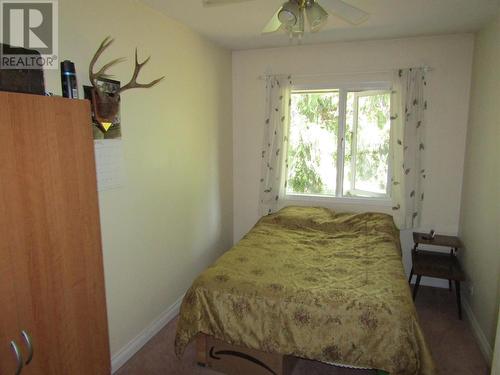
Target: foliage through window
pixel 339 143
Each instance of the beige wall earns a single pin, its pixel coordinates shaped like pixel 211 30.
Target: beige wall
pixel 495 367
pixel 448 91
pixel 174 214
pixel 480 218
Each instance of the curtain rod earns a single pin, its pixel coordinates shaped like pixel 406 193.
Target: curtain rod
pixel 264 76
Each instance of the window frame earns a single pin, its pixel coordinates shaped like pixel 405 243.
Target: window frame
pixel 343 89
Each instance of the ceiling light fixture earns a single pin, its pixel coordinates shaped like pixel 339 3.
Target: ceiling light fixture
pixel 316 16
pixel 293 13
pixel 289 14
pixel 299 28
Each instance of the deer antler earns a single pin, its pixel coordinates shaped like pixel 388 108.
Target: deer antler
pixel 133 84
pixel 93 77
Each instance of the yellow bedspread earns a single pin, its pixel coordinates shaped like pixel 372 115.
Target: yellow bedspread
pixel 314 284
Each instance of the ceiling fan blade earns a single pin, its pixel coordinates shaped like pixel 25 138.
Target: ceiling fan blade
pixel 274 24
pixel 348 12
pixel 208 3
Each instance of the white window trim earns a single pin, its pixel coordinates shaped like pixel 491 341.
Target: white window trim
pixel 371 201
pixel 382 201
pixel 341 143
pixel 353 156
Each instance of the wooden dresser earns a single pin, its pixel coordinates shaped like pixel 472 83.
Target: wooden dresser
pixel 52 300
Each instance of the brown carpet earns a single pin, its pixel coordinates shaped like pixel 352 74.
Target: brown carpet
pixel 451 341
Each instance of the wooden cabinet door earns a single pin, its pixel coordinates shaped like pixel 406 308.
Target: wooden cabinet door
pixel 8 308
pixel 9 325
pixel 50 199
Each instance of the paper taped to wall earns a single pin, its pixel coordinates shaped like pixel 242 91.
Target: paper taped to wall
pixel 109 164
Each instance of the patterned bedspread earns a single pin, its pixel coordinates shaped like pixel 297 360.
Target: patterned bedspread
pixel 314 284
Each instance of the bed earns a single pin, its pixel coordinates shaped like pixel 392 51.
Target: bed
pixel 311 283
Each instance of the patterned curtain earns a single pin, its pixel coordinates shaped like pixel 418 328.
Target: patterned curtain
pixel 274 147
pixel 408 147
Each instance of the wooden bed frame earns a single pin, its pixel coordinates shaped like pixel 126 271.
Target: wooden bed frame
pixel 234 360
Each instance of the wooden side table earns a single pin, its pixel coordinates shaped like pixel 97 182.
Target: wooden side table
pixel 437 264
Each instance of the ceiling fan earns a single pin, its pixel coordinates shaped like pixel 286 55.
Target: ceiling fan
pixel 292 15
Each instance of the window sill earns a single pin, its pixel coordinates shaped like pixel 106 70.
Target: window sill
pixel 372 202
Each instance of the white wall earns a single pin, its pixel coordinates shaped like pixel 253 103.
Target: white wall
pixel 174 215
pixel 480 219
pixel 448 93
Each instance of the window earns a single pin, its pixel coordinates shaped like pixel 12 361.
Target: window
pixel 339 143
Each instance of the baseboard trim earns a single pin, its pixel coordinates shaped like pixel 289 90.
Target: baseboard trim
pixel 484 345
pixel 128 351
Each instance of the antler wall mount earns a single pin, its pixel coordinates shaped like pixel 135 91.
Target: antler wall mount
pixel 106 105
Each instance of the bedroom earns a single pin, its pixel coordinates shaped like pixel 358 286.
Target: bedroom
pixel 191 151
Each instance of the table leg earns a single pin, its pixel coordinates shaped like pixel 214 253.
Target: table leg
pixel 449 281
pixel 411 275
pixel 459 300
pixel 415 288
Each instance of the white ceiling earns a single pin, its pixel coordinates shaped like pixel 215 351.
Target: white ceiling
pixel 237 26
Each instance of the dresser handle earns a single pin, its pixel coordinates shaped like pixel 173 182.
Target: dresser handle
pixel 19 357
pixel 27 339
